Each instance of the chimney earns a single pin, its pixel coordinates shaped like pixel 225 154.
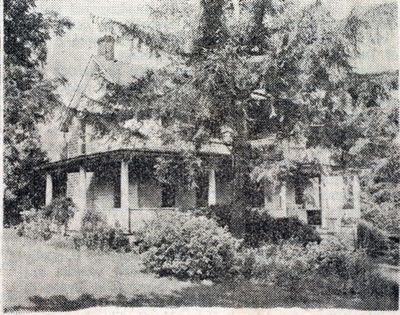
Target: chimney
pixel 105 46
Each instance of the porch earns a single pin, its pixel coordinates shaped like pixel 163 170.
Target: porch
pixel 329 201
pixel 122 186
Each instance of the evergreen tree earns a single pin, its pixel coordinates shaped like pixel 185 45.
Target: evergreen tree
pixel 299 57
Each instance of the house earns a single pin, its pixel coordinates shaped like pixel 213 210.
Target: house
pixel 116 177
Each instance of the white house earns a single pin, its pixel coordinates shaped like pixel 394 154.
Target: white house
pixel 116 177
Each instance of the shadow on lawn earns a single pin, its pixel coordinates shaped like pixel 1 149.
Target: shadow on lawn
pixel 229 295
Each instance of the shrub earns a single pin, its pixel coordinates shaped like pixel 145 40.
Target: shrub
pixel 222 214
pixel 261 228
pixel 35 226
pixel 328 265
pixel 188 247
pixel 60 211
pixel 373 240
pixel 95 234
pixel 271 259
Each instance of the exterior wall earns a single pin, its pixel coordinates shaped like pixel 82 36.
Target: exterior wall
pixel 272 202
pixel 100 195
pixel 185 199
pixel 149 194
pixel 74 140
pixel 300 210
pixel 73 192
pixel 145 194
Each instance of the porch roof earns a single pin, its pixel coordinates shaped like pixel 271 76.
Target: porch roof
pixel 73 163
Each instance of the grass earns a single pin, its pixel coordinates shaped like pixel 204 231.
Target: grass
pixel 53 276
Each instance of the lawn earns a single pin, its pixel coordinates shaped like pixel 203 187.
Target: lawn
pixel 54 276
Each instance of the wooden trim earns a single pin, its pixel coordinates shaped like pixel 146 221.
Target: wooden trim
pixel 114 156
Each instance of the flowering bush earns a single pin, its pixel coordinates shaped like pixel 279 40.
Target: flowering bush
pixel 35 226
pixel 188 247
pixel 60 211
pixel 96 234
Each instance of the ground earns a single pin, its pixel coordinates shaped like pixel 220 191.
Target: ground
pixel 53 276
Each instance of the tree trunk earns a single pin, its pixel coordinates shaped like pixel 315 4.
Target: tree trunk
pixel 241 180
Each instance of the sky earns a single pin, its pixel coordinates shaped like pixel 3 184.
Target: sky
pixel 68 55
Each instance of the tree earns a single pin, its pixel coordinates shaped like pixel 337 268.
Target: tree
pixel 300 57
pixel 29 99
pixel 376 150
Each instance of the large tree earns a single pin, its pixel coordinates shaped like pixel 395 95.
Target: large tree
pixel 298 56
pixel 28 99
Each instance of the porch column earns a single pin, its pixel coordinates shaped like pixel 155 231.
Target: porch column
pixel 49 189
pixel 82 189
pixel 267 193
pixel 212 192
pixel 356 196
pixel 282 196
pixel 124 186
pixel 324 200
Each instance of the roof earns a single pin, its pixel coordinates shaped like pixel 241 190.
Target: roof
pixel 115 155
pixel 123 72
pixel 116 71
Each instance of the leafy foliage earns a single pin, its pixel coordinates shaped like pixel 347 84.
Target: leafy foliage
pixel 36 226
pixel 300 57
pixel 376 242
pixel 329 266
pixel 222 214
pixel 29 98
pixel 60 211
pixel 96 234
pixel 261 228
pixel 188 247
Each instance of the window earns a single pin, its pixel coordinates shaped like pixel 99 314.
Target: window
pixel 167 196
pixel 117 190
